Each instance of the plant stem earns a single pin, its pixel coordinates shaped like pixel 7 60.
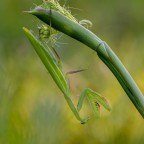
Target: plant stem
pixel 78 32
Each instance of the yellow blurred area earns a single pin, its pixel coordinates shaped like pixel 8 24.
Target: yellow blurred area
pixel 34 111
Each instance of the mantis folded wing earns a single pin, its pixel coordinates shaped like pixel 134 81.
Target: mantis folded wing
pixel 61 80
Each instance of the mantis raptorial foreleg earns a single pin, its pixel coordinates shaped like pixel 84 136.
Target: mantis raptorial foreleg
pixel 94 99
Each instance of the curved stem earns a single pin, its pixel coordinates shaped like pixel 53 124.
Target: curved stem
pixel 78 32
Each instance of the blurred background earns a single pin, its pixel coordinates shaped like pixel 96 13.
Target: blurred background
pixel 32 108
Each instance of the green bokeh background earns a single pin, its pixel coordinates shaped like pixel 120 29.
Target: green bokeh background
pixel 33 110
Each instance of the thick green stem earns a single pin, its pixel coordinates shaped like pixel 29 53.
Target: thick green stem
pixel 78 32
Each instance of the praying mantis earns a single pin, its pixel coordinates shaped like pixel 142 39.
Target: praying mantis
pixel 50 62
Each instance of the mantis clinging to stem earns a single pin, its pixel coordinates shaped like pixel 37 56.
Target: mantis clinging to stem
pixel 61 80
pixel 53 14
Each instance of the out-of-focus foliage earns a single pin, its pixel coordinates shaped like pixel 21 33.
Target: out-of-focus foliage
pixel 32 109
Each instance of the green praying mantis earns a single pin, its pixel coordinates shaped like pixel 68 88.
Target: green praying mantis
pixel 55 16
pixel 50 62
